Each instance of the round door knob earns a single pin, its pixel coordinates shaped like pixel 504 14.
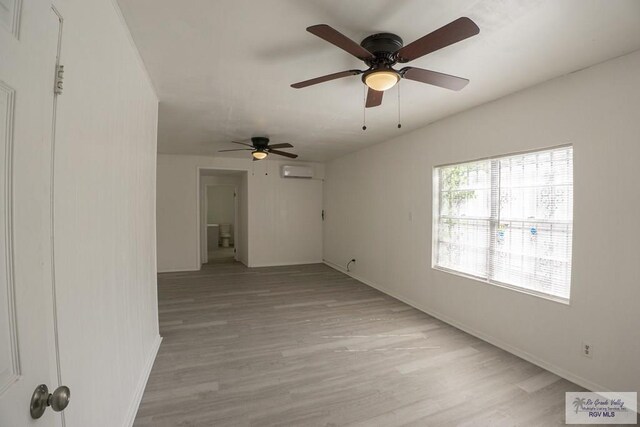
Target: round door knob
pixel 39 401
pixel 41 398
pixel 60 398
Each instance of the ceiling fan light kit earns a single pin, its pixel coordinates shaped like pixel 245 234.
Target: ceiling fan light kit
pixel 381 80
pixel 259 155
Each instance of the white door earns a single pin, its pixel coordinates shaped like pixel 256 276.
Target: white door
pixel 28 46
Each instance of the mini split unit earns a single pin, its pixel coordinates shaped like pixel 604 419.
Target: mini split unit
pixel 297 171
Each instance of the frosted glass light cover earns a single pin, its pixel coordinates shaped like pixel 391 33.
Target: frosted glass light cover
pixel 381 80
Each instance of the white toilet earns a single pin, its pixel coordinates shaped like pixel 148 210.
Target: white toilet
pixel 225 234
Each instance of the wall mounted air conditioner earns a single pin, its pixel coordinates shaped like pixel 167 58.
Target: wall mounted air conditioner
pixel 297 171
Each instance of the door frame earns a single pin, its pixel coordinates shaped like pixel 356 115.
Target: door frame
pixel 242 173
pixel 52 209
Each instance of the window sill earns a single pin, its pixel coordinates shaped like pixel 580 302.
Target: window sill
pixel 563 301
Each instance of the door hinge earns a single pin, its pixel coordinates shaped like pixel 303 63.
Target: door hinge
pixel 58 84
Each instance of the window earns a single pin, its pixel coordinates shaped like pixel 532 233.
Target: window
pixel 507 220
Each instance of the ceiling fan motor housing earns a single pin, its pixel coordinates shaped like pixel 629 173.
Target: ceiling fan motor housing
pixel 260 142
pixel 383 46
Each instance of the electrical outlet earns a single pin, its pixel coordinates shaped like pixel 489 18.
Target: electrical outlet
pixel 587 350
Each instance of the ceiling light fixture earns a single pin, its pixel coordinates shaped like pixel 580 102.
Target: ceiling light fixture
pixel 259 155
pixel 381 80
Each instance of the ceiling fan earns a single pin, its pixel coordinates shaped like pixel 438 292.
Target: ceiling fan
pixel 382 51
pixel 260 148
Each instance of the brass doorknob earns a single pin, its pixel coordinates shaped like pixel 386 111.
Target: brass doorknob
pixel 41 398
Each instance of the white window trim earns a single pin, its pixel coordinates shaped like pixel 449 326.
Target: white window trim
pixel 498 284
pixel 434 240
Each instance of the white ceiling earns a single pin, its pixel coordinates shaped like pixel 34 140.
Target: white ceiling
pixel 222 69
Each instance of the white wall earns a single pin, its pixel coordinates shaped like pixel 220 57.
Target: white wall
pixel 283 215
pixel 105 160
pixel 378 204
pixel 220 204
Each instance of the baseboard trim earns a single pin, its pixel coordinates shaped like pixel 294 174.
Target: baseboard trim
pixel 284 264
pixel 563 373
pixel 273 264
pixel 342 269
pixel 142 383
pixel 178 270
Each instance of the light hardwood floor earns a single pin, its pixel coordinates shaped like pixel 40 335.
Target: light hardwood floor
pixel 309 346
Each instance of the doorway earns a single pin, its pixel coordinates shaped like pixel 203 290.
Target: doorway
pixel 223 216
pixel 221 207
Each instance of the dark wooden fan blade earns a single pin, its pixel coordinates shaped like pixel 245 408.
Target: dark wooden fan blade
pixel 237 149
pixel 374 98
pixel 434 78
pixel 326 78
pixel 338 39
pixel 458 30
pixel 242 143
pixel 282 153
pixel 284 145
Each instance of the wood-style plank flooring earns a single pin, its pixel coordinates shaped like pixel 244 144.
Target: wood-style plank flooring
pixel 310 346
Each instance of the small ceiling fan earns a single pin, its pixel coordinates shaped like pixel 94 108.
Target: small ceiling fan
pixel 260 148
pixel 380 52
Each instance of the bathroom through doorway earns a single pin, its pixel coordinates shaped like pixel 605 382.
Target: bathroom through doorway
pixel 222 212
pixel 220 202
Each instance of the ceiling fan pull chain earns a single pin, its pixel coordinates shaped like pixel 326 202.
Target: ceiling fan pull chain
pixel 399 125
pixel 364 110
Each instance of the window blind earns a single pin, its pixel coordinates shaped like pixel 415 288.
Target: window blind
pixel 507 220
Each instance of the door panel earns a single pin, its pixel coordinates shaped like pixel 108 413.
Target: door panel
pixel 27 340
pixel 9 359
pixel 10 15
